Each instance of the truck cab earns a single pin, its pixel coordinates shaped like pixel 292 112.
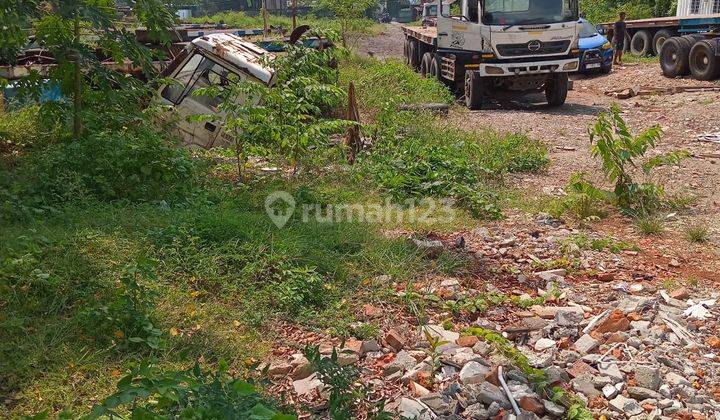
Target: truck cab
pixel 213 60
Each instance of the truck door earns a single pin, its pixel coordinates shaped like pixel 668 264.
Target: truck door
pixel 459 26
pixel 198 72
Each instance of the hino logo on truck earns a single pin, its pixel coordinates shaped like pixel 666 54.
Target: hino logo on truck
pixel 534 46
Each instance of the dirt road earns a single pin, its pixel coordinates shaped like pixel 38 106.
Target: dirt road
pixel 682 116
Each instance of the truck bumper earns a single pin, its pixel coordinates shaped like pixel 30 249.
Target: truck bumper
pixel 537 67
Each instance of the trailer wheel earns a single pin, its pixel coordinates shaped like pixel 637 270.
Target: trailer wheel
pixel 474 90
pixel 556 89
pixel 640 44
pixel 659 39
pixel 413 55
pixel 406 52
pixel 435 68
pixel 674 57
pixel 703 63
pixel 425 64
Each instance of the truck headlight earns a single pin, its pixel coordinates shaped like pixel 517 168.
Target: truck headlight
pixel 570 66
pixel 606 46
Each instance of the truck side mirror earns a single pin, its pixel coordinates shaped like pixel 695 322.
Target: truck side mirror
pixel 599 28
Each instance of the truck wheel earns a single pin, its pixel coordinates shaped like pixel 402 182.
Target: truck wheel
pixel 413 55
pixel 556 89
pixel 659 39
pixel 474 90
pixel 674 57
pixel 406 52
pixel 703 63
pixel 640 44
pixel 425 64
pixel 435 68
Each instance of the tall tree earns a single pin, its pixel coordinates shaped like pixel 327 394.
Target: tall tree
pixel 79 33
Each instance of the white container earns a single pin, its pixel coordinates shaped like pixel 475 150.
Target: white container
pixel 697 7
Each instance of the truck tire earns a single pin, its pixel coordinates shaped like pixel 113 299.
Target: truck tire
pixel 435 68
pixel 556 89
pixel 659 39
pixel 413 58
pixel 474 90
pixel 641 43
pixel 704 64
pixel 425 64
pixel 406 52
pixel 674 57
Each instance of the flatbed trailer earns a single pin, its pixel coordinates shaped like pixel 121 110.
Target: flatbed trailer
pixel 646 36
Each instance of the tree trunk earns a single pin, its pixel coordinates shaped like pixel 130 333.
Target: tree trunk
pixel 77 85
pixel 352 135
pixel 266 31
pixel 294 14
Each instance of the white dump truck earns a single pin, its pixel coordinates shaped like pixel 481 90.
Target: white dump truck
pixel 484 47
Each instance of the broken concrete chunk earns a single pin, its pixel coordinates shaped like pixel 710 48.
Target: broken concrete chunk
pixel 473 373
pixel 307 385
pixel 411 409
pixel 431 248
pixel 570 316
pixel 647 377
pixel 585 344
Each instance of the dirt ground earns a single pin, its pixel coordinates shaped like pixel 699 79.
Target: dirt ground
pixel 682 116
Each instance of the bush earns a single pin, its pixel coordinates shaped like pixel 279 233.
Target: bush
pixel 416 157
pixel 136 164
pixel 19 129
pixel 126 318
pixel 697 233
pixel 148 392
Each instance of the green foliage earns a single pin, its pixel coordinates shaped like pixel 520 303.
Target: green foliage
pixel 347 12
pixel 383 85
pixel 151 393
pixel 601 11
pixel 583 241
pixel 415 157
pixel 506 347
pixel 576 408
pixel 126 319
pixel 124 156
pixel 285 119
pixel 480 303
pixel 339 380
pixel 651 226
pixel 697 233
pixel 19 129
pixel 619 152
pixel 434 352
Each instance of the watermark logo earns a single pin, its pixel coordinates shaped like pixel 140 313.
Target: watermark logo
pixel 280 207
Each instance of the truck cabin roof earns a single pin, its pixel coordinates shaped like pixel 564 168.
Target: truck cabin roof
pixel 234 50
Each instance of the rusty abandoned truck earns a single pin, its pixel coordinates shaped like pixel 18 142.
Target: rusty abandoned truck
pixel 486 47
pixel 211 60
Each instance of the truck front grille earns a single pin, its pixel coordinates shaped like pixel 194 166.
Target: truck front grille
pixel 533 48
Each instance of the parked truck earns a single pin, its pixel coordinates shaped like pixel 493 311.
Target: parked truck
pixel 484 47
pixel 647 36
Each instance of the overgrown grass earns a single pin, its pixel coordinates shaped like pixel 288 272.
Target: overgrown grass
pixel 126 248
pixel 650 226
pixel 389 83
pixel 416 155
pixel 697 234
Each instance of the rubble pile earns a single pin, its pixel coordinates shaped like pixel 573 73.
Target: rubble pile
pixel 614 340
